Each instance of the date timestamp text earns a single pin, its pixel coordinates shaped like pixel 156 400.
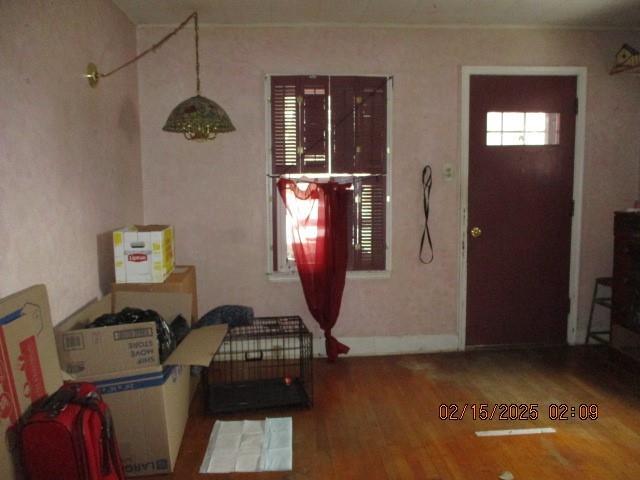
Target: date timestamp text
pixel 517 411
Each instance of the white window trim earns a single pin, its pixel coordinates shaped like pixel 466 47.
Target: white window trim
pixel 279 276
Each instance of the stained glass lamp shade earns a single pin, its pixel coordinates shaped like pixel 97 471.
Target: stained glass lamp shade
pixel 198 118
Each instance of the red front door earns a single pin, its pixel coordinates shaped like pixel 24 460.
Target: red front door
pixel 521 148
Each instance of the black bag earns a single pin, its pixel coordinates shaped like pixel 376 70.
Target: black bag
pixel 180 328
pixel 232 315
pixel 166 339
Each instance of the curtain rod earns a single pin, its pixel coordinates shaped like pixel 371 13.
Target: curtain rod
pixel 325 175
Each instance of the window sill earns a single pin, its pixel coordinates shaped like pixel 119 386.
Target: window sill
pixel 279 277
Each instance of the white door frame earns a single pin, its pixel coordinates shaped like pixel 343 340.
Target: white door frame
pixel 578 170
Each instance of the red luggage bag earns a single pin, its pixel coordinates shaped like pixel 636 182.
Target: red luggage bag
pixel 70 436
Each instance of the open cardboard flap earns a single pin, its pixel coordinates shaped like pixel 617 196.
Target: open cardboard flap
pixel 199 347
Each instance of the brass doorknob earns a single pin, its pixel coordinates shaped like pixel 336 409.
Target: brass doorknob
pixel 476 232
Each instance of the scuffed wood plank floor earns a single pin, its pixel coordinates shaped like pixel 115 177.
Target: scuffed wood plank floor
pixel 378 418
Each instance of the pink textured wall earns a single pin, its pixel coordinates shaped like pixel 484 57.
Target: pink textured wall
pixel 214 193
pixel 69 155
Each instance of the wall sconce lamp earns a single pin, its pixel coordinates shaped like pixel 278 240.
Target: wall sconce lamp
pixel 197 118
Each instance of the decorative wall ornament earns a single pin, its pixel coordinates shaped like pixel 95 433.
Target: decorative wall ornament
pixel 627 60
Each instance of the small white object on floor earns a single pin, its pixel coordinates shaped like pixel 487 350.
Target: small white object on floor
pixel 250 446
pixel 514 431
pixel 506 476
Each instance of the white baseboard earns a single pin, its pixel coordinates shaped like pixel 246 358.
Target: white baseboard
pixel 373 346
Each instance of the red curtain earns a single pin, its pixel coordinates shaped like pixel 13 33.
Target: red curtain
pixel 320 248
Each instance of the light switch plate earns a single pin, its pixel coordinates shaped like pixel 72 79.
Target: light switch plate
pixel 447 172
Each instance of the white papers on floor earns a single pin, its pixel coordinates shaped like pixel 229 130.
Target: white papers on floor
pixel 249 446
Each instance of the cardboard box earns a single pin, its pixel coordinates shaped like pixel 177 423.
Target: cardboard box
pixel 29 368
pixel 150 408
pixel 149 401
pixel 143 253
pixel 182 279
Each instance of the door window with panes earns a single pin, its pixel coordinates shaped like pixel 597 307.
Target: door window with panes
pixel 332 127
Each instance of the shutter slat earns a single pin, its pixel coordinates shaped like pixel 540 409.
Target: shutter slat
pixel 284 125
pixel 299 130
pixel 359 124
pixel 371 125
pixel 343 93
pixel 369 226
pixel 315 121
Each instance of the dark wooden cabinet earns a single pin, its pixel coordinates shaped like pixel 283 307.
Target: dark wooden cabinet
pixel 625 313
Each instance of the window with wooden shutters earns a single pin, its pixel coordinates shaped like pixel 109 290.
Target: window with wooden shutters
pixel 333 127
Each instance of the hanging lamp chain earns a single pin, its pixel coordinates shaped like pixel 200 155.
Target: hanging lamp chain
pixel 157 45
pixel 195 19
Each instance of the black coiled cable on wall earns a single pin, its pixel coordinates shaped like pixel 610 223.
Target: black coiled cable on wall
pixel 427 182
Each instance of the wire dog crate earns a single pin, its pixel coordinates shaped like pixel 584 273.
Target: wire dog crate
pixel 265 364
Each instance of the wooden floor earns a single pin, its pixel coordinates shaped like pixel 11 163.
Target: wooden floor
pixel 378 418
